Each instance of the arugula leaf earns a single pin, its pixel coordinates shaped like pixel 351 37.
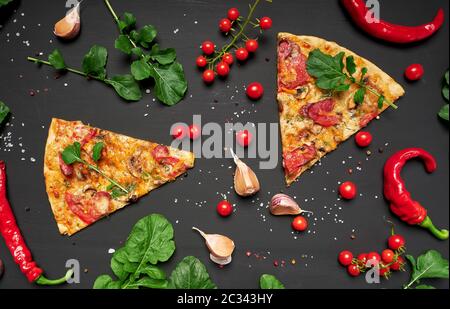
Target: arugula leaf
pixel 126 87
pixel 127 22
pixel 146 35
pixel 429 265
pixel 363 73
pixel 350 65
pixel 97 151
pixel 424 287
pixel 170 83
pixel 137 51
pixel 443 113
pixel 56 60
pixel 147 282
pixel 123 44
pixel 270 282
pixel 4 2
pixel 106 282
pixel 4 111
pixel 72 153
pixel 140 69
pixel 163 56
pixel 327 69
pixel 381 100
pixel 190 273
pixel 94 61
pixel 359 95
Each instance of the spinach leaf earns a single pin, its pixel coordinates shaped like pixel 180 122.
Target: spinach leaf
pixel 443 113
pixel 190 273
pixel 270 282
pixel 430 265
pixel 106 282
pixel 163 56
pixel 72 153
pixel 4 111
pixel 97 151
pixel 123 44
pixel 94 62
pixel 126 87
pixel 4 2
pixel 424 287
pixel 170 84
pixel 56 60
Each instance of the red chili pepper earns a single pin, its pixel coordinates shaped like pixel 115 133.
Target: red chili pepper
pixel 390 32
pixel 402 205
pixel 15 242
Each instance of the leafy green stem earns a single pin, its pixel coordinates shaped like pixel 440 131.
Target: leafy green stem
pixel 116 19
pixel 95 168
pixel 370 89
pixel 417 277
pixel 35 60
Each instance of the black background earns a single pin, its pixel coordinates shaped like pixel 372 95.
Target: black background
pixel 414 124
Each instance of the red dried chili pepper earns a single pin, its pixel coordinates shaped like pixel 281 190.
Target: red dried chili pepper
pixel 407 209
pixel 15 242
pixel 390 32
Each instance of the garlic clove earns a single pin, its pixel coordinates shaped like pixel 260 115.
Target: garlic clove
pixel 69 26
pixel 220 261
pixel 246 182
pixel 282 204
pixel 219 246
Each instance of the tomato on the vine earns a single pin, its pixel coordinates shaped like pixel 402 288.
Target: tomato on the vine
pixel 225 25
pixel 373 257
pixel 201 62
pixel 396 242
pixel 208 47
pixel 208 76
pixel 228 58
pixel 363 139
pixel 265 23
pixel 384 271
pixel 241 54
pixel 251 45
pixel 224 208
pixel 222 69
pixel 362 258
pixel 414 72
pixel 194 132
pixel 179 132
pixel 345 258
pixel 399 264
pixel 233 14
pixel 348 190
pixel 353 270
pixel 244 138
pixel 299 224
pixel 387 256
pixel 255 91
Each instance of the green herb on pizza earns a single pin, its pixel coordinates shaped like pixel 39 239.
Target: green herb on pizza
pixel 443 113
pixel 330 76
pixel 430 265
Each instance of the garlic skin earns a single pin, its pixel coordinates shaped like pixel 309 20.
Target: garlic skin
pixel 220 247
pixel 220 261
pixel 246 182
pixel 282 205
pixel 69 27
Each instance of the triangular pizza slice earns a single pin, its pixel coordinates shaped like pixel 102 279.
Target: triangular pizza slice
pixel 90 173
pixel 314 120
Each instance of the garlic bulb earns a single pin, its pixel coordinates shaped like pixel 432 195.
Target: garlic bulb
pixel 220 247
pixel 282 204
pixel 245 181
pixel 69 26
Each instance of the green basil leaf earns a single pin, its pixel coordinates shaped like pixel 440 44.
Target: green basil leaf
pixel 146 35
pixel 170 82
pixel 424 287
pixel 97 151
pixel 359 95
pixel 443 113
pixel 56 60
pixel 163 56
pixel 270 282
pixel 123 44
pixel 190 273
pixel 429 265
pixel 4 111
pixel 126 87
pixel 4 2
pixel 72 153
pixel 106 282
pixel 127 23
pixel 94 61
pixel 140 69
pixel 350 65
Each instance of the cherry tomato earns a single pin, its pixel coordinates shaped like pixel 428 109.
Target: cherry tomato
pixel 414 72
pixel 222 69
pixel 233 14
pixel 362 258
pixel 251 45
pixel 399 264
pixel 201 61
pixel 241 54
pixel 194 132
pixel 265 23
pixel 384 271
pixel 396 242
pixel 353 270
pixel 244 138
pixel 299 224
pixel 345 258
pixel 208 47
pixel 228 58
pixel 373 256
pixel 225 25
pixel 363 139
pixel 208 76
pixel 179 132
pixel 387 256
pixel 224 208
pixel 255 91
pixel 348 190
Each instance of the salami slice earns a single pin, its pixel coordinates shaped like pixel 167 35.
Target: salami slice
pixel 292 71
pixel 296 159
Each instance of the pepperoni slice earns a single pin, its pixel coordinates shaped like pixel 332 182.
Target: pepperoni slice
pixel 296 159
pixel 364 121
pixel 67 170
pixel 320 113
pixel 292 71
pixel 162 155
pixel 89 209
